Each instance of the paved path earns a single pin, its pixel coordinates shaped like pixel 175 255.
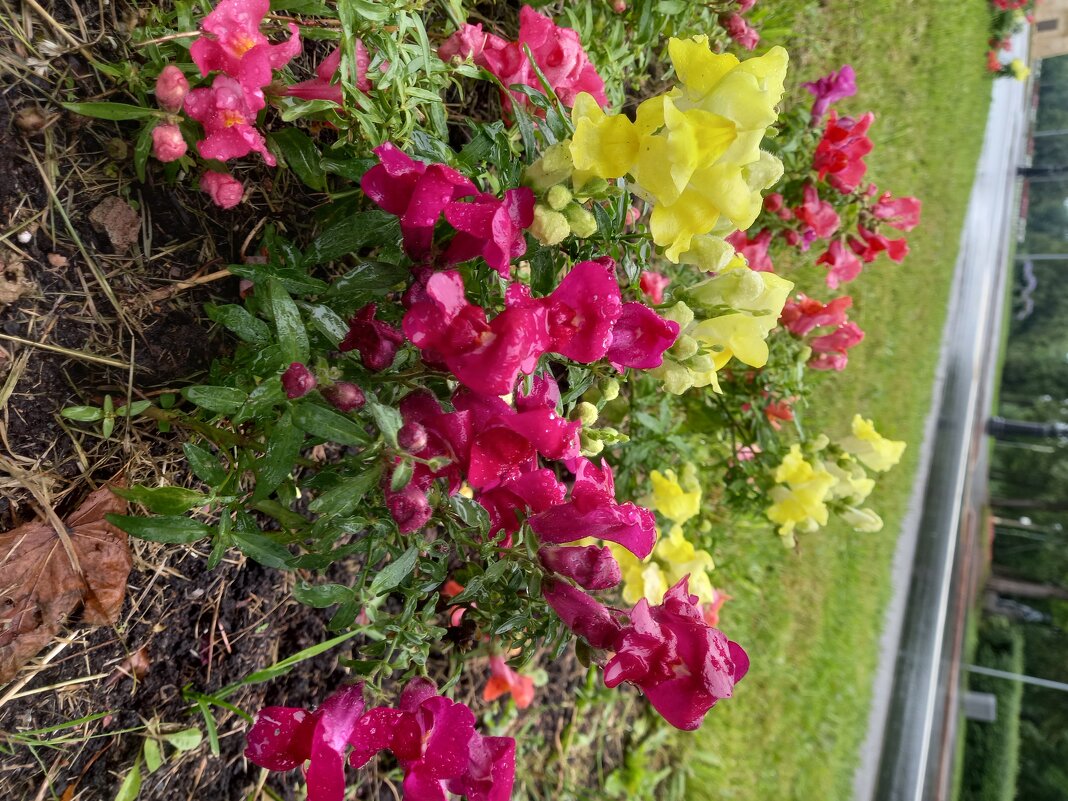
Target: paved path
pixel 913 714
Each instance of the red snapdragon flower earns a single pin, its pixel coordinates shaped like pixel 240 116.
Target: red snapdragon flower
pixel 593 511
pixel 682 665
pixel 843 265
pixel 589 566
pixel 298 381
pixel 755 250
pixel 504 679
pixel 490 227
pixel 486 356
pixel 830 350
pixel 902 213
pixel 653 285
pixel 414 191
pixel 323 87
pixel 778 412
pixel 640 337
pixel 376 342
pixel 739 29
pixel 840 153
pixel 871 244
pixel 228 113
pixel 583 614
pixel 804 314
pixel 817 216
pixel 234 45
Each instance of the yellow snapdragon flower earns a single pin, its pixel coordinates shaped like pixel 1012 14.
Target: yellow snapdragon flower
pixel 800 495
pixel 674 501
pixel 673 557
pixel 872 448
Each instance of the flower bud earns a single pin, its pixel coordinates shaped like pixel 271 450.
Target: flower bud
pixel 589 445
pixel 555 166
pixel 592 567
pixel 411 437
pixel 684 347
pixel 171 88
pixel 410 509
pixel 585 412
pixel 558 197
pixel 297 381
pixel 168 144
pixel 609 389
pixel 344 396
pixel 582 222
pixel 225 190
pixel 549 227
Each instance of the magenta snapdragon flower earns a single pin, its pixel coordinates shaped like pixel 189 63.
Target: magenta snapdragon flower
pixel 514 499
pixel 640 337
pixel 589 566
pixel 323 86
pixel 490 227
pixel 377 342
pixel 902 213
pixel 298 381
pixel 830 89
pixel 816 215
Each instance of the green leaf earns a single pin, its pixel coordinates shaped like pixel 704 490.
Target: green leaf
pixel 223 400
pixel 327 322
pixel 320 596
pixel 471 512
pixel 346 496
pixel 305 108
pixel 395 572
pixel 368 277
pixel 142 150
pixel 239 320
pixel 388 420
pixel 153 755
pixel 292 335
pixel 135 408
pixel 262 549
pixel 284 442
pixel 163 500
pixel 131 785
pixel 293 279
pixel 319 421
pixel 352 233
pixel 83 414
pixel 112 111
pixel 301 155
pixel 283 666
pixel 204 464
pixel 170 529
pixel 184 740
pixel 401 476
pixel 369 10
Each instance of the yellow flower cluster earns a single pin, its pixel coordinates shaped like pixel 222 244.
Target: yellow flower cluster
pixel 679 500
pixel 872 448
pixel 800 495
pixel 739 307
pixel 694 152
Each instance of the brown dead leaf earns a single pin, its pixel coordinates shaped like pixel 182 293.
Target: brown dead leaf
pixel 116 217
pixel 13 281
pixel 41 584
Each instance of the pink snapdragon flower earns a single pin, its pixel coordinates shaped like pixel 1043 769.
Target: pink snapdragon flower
pixel 839 156
pixel 323 86
pixel 843 265
pixel 830 89
pixel 168 144
pixel 467 43
pixel 415 192
pixel 653 285
pixel 490 227
pixel 504 680
pixel 228 115
pixel 681 664
pixel 448 439
pixel 710 611
pixel 486 356
pixel 816 216
pixel 224 190
pixel 755 250
pixel 376 342
pixel 739 29
pixel 234 45
pixel 171 89
pixel 589 566
pixel 802 315
pixel 593 511
pixel 514 499
pixel 830 350
pixel 902 213
pixel 298 381
pixel 640 337
pixel 871 244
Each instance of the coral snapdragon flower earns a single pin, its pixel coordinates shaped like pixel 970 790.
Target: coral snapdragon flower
pixel 503 680
pixel 228 113
pixel 840 154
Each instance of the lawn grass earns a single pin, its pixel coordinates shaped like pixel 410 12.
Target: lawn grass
pixel 811 620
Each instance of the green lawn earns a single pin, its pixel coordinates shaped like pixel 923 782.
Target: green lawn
pixel 811 621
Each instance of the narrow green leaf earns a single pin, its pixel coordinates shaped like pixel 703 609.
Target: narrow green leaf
pixel 320 596
pixel 328 322
pixel 83 414
pixel 112 111
pixel 204 464
pixel 346 496
pixel 471 512
pixel 388 420
pixel 153 755
pixel 262 549
pixel 285 665
pixel 135 408
pixel 239 320
pixel 131 785
pixel 223 400
pixel 331 425
pixel 184 740
pixel 292 335
pixel 167 528
pixel 352 233
pixel 284 441
pixel 395 572
pixel 163 500
pixel 301 155
pixel 368 277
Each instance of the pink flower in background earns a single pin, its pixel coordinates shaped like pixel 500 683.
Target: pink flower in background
pixel 755 250
pixel 640 337
pixel 832 360
pixel 168 144
pixel 171 88
pixel 228 115
pixel 739 29
pixel 225 190
pixel 744 5
pixel 589 566
pixel 504 680
pixel 593 511
pixel 377 342
pixel 778 412
pixel 297 381
pixel 871 244
pixel 681 664
pixel 902 213
pixel 467 43
pixel 830 89
pixel 323 86
pixel 804 314
pixel 817 216
pixel 840 154
pixel 414 191
pixel 653 285
pixel 710 611
pixel 843 265
pixel 830 350
pixel 490 227
pixel 233 44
